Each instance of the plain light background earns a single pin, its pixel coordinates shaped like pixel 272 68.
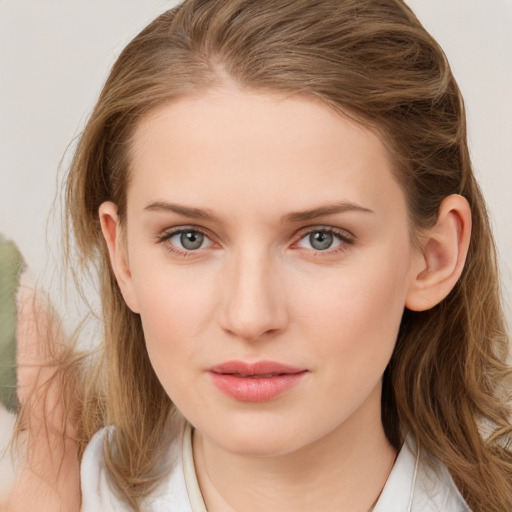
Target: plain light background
pixel 55 55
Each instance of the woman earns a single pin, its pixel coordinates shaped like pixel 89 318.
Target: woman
pixel 297 274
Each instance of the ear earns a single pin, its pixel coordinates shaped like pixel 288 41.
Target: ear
pixel 441 257
pixel 113 234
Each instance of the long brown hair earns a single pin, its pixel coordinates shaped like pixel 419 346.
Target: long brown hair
pixel 370 59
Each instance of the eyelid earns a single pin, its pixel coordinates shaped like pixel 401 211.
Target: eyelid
pixel 168 233
pixel 344 234
pixel 346 238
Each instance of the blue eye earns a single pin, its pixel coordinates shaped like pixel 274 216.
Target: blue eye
pixel 186 240
pixel 322 240
pixel 190 240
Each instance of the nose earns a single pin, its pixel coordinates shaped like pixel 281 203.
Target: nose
pixel 254 305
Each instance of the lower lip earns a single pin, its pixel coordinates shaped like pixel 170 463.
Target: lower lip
pixel 246 389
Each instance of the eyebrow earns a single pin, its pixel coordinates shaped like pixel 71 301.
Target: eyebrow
pixel 293 217
pixel 185 211
pixel 323 211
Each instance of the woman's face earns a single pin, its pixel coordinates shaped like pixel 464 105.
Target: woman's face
pixel 268 254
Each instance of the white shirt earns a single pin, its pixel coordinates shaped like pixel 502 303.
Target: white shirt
pixel 412 485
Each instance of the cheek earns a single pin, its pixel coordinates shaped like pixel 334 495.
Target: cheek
pixel 175 306
pixel 355 313
pixel 171 326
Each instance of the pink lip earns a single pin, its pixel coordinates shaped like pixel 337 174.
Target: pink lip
pixel 255 382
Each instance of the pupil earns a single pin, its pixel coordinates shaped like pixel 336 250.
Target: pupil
pixel 320 240
pixel 191 240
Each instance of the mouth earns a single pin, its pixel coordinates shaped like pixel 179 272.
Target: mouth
pixel 255 382
pixel 258 376
pixel 259 369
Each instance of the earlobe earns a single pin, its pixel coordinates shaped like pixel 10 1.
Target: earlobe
pixel 112 233
pixel 440 261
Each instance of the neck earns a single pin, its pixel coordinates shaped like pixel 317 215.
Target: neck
pixel 345 469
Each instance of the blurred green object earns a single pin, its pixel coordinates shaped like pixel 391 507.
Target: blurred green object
pixel 11 267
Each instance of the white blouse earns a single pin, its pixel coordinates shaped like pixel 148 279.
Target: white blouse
pixel 412 486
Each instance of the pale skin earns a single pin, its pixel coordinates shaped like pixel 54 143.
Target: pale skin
pixel 252 176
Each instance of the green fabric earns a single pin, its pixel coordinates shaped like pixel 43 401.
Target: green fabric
pixel 11 266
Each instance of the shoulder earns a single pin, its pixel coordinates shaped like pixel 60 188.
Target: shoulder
pixel 99 494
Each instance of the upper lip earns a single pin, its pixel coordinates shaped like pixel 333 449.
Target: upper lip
pixel 258 368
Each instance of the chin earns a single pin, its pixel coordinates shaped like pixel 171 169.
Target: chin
pixel 259 445
pixel 256 438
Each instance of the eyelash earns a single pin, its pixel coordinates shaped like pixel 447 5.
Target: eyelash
pixel 173 232
pixel 345 238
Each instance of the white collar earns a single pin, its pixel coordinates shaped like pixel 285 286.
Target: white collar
pixel 412 485
pixel 194 493
pixel 401 483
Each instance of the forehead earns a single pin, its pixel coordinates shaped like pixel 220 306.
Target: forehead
pixel 228 148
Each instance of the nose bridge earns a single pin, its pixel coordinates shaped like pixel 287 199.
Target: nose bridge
pixel 254 302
